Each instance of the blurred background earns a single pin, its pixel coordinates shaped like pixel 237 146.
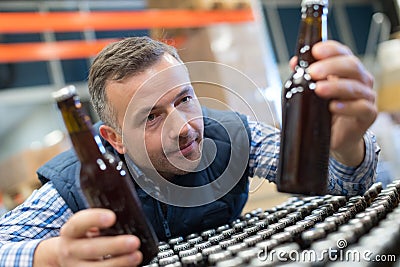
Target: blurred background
pixel 45 45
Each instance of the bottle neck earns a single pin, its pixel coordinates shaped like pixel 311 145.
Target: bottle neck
pixel 87 145
pixel 313 29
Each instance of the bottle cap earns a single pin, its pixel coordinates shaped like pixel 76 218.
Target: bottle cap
pixel 192 259
pixel 64 93
pixel 315 2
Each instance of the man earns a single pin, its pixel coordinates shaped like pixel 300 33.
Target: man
pixel 144 97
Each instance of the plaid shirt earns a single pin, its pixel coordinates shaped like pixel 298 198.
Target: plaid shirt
pixel 44 212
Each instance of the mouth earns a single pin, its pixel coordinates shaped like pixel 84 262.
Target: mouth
pixel 188 147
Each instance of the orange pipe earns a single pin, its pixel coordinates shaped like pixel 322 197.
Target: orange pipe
pixel 22 52
pixel 29 22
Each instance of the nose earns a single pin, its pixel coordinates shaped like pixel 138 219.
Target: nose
pixel 178 124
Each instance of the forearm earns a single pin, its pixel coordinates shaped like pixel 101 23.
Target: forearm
pixel 26 229
pixel 19 254
pixel 351 179
pixel 352 155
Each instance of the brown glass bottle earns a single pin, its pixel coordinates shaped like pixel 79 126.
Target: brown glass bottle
pixel 306 119
pixel 104 181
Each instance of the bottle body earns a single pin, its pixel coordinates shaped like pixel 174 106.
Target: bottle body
pixel 104 180
pixel 306 120
pixel 117 193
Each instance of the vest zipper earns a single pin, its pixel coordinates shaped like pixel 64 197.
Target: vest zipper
pixel 164 221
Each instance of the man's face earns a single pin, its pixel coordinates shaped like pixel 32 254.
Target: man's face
pixel 160 117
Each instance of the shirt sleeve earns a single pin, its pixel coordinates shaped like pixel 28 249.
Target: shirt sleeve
pixel 23 228
pixel 264 150
pixel 347 180
pixel 342 179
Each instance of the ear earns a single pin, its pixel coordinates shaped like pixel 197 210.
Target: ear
pixel 113 138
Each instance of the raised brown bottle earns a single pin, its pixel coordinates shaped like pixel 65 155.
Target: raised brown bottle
pixel 306 120
pixel 104 180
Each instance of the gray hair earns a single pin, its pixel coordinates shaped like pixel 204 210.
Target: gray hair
pixel 120 60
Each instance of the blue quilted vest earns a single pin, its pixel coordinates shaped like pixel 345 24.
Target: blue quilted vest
pixel 169 220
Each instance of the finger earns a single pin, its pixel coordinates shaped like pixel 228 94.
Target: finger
pixel 84 221
pixel 129 260
pixel 96 248
pixel 330 48
pixel 362 109
pixel 93 232
pixel 322 50
pixel 341 66
pixel 293 62
pixel 344 89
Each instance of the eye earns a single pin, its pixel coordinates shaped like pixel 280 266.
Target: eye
pixel 186 99
pixel 151 117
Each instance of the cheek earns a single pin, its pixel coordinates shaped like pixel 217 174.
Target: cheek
pixel 134 142
pixel 153 144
